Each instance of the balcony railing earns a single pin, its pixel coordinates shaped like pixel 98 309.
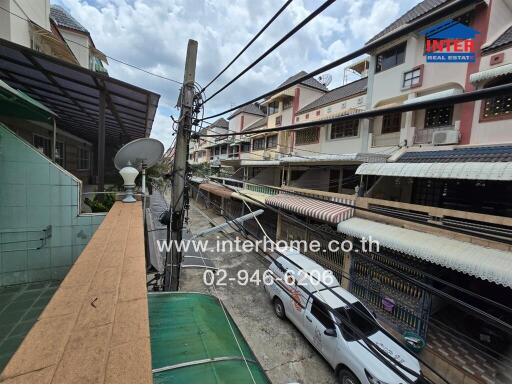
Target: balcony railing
pixel 386 139
pixel 424 136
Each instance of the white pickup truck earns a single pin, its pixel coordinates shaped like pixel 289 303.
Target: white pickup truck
pixel 308 305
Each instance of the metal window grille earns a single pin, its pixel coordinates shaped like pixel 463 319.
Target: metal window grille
pixel 307 136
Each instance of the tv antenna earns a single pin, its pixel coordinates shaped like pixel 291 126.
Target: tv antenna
pixel 325 79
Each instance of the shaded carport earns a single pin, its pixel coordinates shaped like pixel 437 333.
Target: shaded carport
pixel 88 104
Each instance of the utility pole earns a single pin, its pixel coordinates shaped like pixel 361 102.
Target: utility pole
pixel 179 188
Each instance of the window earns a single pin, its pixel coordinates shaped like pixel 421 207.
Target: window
pixel 307 136
pixel 223 149
pixel 279 120
pixel 391 122
pixel 412 78
pixel 438 117
pixel 43 145
pixel 321 312
pixel 346 128
pixel 466 18
pixel 60 153
pixel 499 107
pixel 287 103
pixel 216 151
pixel 272 141
pixel 390 58
pixel 84 160
pixel 356 321
pixel 246 147
pixel 273 108
pixel 258 144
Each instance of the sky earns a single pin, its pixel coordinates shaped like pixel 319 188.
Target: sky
pixel 153 34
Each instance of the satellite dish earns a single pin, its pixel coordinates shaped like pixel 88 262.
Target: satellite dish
pixel 140 153
pixel 325 79
pixel 135 156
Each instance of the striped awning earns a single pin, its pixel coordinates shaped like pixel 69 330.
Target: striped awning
pixel 216 190
pixel 316 209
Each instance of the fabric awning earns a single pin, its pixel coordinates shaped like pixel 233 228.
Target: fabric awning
pixel 344 158
pixel 14 103
pixel 489 74
pixel 250 197
pixel 501 171
pixel 320 210
pixel 216 190
pixel 257 163
pixel 434 96
pixel 454 254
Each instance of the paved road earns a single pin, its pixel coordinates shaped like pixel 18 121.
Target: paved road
pixel 283 352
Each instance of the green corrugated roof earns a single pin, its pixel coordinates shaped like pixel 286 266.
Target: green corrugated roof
pixel 194 341
pixel 14 103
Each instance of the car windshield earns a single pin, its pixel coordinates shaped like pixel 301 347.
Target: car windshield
pixel 356 322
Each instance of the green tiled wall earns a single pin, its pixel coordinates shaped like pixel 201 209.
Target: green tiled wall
pixel 35 193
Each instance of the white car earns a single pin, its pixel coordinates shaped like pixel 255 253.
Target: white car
pixel 308 305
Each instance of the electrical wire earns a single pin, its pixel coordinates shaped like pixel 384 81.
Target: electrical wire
pixel 479 313
pixel 285 5
pixel 433 277
pixel 499 90
pixel 370 345
pixel 427 19
pixel 470 342
pixel 109 57
pixel 294 30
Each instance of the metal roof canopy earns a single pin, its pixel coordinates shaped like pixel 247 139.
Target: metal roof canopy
pixel 500 171
pixel 449 253
pixel 195 340
pixel 74 94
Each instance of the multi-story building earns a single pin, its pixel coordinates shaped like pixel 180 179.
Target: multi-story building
pixel 400 73
pixel 439 206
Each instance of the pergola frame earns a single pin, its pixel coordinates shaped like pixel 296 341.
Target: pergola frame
pixel 88 104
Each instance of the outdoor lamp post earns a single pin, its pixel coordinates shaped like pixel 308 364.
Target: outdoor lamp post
pixel 129 174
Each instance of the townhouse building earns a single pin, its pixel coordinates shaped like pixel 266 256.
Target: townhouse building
pixel 433 188
pixel 399 73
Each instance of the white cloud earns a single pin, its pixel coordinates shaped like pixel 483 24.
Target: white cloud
pixel 153 34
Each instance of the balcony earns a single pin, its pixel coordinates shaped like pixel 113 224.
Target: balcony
pixel 386 139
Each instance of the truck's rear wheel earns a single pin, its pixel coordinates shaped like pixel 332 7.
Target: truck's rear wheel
pixel 279 308
pixel 347 377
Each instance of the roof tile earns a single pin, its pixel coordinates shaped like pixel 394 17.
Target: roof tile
pixel 62 18
pixel 340 93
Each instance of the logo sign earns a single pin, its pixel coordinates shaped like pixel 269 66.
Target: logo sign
pixel 450 42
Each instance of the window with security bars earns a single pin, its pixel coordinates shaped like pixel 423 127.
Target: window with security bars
pixel 279 121
pixel 499 107
pixel 258 144
pixel 307 136
pixel 438 117
pixel 60 153
pixel 43 145
pixel 391 122
pixel 346 128
pixel 84 159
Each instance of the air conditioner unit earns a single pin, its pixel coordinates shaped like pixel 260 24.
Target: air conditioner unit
pixel 449 136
